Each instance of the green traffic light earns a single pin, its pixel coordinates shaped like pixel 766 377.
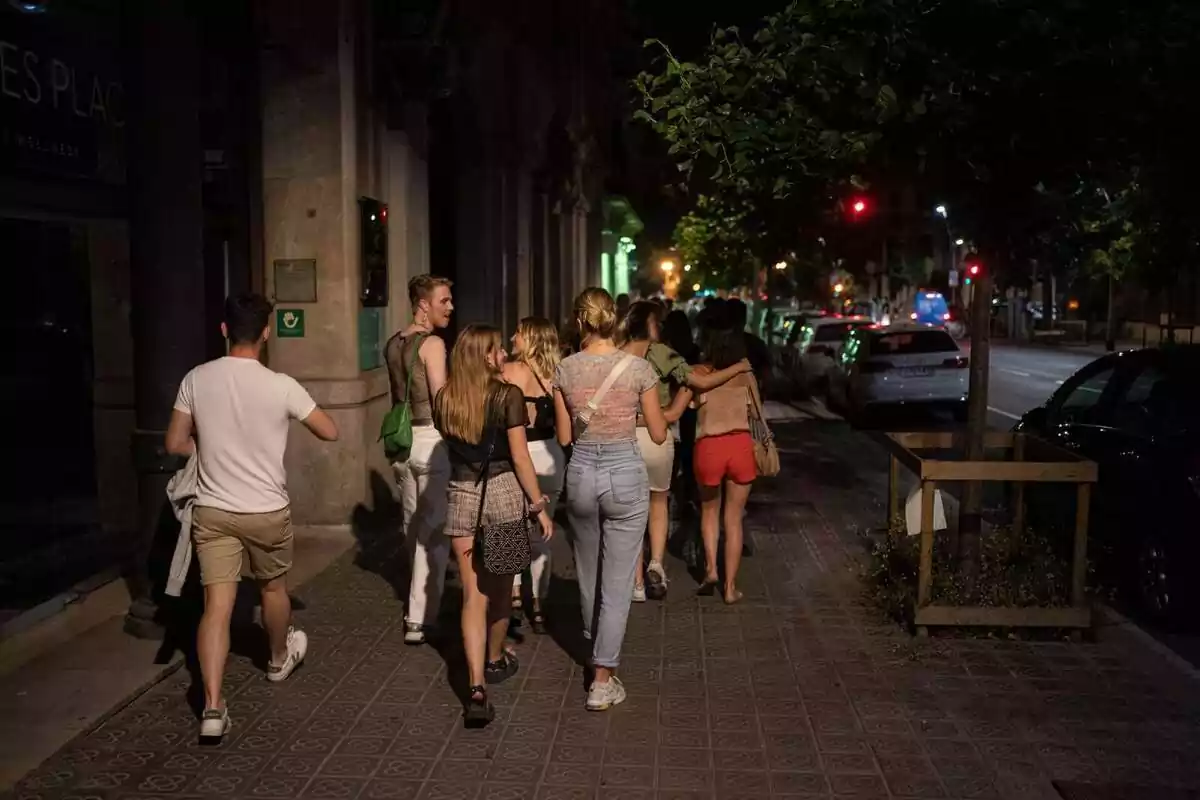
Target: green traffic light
pixel 967 282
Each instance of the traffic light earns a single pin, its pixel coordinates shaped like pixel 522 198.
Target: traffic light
pixel 373 256
pixel 974 269
pixel 859 207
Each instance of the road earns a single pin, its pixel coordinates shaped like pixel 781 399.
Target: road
pixel 1024 377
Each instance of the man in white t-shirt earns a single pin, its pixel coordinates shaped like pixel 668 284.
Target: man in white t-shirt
pixel 234 413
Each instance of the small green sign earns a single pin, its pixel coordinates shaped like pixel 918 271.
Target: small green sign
pixel 289 323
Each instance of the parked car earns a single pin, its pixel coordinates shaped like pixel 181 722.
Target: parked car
pixel 784 334
pixel 1137 415
pixel 900 365
pixel 817 348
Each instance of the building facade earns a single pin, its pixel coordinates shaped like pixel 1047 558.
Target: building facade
pixel 157 156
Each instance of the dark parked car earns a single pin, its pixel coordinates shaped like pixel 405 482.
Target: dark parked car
pixel 1137 415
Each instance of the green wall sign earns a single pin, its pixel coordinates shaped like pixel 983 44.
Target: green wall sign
pixel 289 323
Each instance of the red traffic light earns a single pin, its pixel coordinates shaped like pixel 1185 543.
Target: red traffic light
pixel 973 269
pixel 859 206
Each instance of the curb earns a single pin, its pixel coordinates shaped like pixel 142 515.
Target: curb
pixel 814 409
pixel 48 608
pixel 1107 616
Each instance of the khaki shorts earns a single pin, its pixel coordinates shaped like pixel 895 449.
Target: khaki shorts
pixel 222 537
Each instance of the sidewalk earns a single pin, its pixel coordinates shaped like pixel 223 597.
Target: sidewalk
pixel 798 692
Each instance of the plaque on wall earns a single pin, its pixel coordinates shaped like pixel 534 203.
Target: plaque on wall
pixel 295 280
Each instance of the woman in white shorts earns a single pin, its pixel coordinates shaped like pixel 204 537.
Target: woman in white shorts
pixel 536 354
pixel 639 336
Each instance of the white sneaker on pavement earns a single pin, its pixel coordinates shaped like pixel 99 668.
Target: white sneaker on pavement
pixel 214 723
pixel 297 647
pixel 639 594
pixel 656 580
pixel 603 696
pixel 414 633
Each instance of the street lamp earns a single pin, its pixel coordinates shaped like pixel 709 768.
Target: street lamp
pixel 780 265
pixel 695 287
pixel 687 267
pixel 959 242
pixel 941 211
pixel 667 265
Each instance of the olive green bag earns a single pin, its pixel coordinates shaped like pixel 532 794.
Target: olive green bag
pixel 396 432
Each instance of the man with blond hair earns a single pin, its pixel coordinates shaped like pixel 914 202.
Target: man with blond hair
pixel 416 359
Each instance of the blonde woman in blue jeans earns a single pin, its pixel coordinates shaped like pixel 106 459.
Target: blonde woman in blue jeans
pixel 598 393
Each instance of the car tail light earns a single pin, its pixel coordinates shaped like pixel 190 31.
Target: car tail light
pixel 876 366
pixel 962 362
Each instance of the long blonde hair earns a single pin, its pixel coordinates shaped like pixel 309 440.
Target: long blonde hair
pixel 540 349
pixel 464 405
pixel 596 313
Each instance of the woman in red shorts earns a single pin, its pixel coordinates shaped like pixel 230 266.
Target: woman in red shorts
pixel 724 460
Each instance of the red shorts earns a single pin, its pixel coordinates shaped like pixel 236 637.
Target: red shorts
pixel 726 457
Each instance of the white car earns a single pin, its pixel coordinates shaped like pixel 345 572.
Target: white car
pixel 903 364
pixel 818 348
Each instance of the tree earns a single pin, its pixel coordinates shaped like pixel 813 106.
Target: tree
pixel 1015 135
pixel 716 240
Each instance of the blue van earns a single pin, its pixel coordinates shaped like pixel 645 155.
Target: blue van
pixel 929 308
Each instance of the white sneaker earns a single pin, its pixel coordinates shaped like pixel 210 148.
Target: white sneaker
pixel 297 647
pixel 603 696
pixel 214 723
pixel 656 580
pixel 639 594
pixel 414 633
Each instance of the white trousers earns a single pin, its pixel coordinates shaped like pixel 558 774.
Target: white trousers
pixel 423 479
pixel 550 464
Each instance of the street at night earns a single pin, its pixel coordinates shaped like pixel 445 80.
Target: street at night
pixel 585 400
pixel 1024 376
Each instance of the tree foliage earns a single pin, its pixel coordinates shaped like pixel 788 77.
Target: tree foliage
pixel 1021 115
pixel 715 239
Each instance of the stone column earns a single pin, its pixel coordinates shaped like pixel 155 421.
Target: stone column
pixel 167 262
pixel 317 134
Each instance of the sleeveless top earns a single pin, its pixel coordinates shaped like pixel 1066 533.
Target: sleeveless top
pixel 726 409
pixel 542 427
pixel 401 355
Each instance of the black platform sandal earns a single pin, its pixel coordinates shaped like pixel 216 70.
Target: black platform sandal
pixel 478 712
pixel 500 670
pixel 537 620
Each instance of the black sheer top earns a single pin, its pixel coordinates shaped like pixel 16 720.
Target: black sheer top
pixel 542 407
pixel 507 410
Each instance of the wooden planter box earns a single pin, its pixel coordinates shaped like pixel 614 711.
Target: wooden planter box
pixel 1047 464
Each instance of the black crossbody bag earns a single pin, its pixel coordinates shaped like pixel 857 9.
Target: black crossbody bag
pixel 502 548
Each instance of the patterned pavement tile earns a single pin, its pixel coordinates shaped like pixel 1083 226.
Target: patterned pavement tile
pixel 800 691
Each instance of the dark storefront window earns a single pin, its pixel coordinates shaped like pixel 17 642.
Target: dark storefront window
pixel 48 521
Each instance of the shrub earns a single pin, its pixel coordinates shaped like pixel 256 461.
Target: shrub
pixel 1015 571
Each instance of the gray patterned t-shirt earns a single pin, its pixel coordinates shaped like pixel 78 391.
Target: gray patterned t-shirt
pixel 615 420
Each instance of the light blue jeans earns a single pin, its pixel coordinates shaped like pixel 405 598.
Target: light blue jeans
pixel 608 501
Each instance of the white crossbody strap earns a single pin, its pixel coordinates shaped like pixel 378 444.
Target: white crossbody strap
pixel 617 370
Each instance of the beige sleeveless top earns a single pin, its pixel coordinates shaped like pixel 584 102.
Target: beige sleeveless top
pixel 726 409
